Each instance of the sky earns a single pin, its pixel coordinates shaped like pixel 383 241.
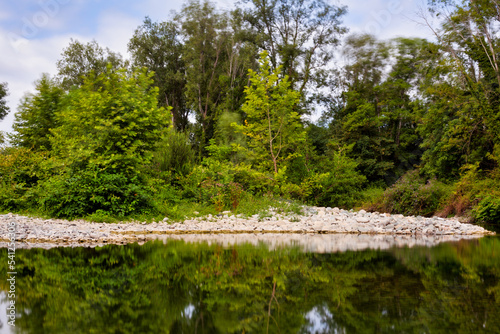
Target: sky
pixel 33 33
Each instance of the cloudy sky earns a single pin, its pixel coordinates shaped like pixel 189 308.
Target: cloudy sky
pixel 33 33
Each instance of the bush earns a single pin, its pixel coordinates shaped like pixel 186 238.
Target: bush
pixel 174 154
pixel 20 170
pixel 343 185
pixel 213 183
pixel 488 211
pixel 92 191
pixel 473 187
pixel 414 195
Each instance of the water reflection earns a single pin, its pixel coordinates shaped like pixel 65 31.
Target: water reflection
pixel 319 243
pixel 4 303
pixel 316 243
pixel 171 286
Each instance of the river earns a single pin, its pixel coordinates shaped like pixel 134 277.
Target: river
pixel 258 286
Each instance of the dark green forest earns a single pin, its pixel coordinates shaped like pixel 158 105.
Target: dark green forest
pixel 212 111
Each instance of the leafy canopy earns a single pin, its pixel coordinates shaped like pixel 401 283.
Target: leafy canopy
pixel 36 115
pixel 111 121
pixel 272 124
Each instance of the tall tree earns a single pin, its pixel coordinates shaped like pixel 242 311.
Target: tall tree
pixel 357 123
pixel 36 115
pixel 300 35
pixel 80 60
pixel 112 121
pixel 272 125
pixel 159 48
pixel 376 121
pixel 469 117
pixel 4 109
pixel 214 67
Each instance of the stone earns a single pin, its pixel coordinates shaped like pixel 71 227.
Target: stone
pixel 362 219
pixel 324 220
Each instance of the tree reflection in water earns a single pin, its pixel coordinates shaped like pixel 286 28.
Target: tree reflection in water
pixel 181 287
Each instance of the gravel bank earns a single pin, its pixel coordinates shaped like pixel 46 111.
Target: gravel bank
pixel 314 220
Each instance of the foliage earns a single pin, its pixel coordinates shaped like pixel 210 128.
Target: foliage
pixel 473 188
pixel 464 120
pixel 36 115
pixel 414 195
pixel 104 138
pixel 82 60
pixel 74 194
pixel 395 106
pixel 4 109
pixel 375 119
pixel 173 153
pixel 272 124
pixel 488 210
pixel 299 36
pixel 20 171
pixel 213 183
pixel 342 186
pixel 217 58
pixel 228 143
pixel 158 47
pixel 112 122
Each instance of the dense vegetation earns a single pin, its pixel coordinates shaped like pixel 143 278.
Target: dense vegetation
pixel 182 287
pixel 212 111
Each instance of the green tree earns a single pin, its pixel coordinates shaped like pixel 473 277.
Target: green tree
pixel 204 32
pixel 80 60
pixel 357 123
pixel 462 123
pixel 104 139
pixel 111 121
pixel 158 47
pixel 36 115
pixel 4 109
pixel 300 36
pixel 216 63
pixel 272 124
pixel 375 118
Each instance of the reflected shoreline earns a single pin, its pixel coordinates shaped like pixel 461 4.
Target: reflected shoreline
pixel 315 243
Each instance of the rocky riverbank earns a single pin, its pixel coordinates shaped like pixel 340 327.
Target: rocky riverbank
pixel 314 220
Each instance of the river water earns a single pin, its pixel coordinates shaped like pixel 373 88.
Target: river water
pixel 368 284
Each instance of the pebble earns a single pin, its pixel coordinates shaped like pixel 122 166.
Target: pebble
pixel 314 220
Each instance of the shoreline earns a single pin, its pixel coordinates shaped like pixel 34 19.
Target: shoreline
pixel 31 231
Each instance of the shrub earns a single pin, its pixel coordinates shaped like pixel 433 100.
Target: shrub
pixel 414 195
pixel 473 187
pixel 174 154
pixel 213 183
pixel 488 210
pixel 342 187
pixel 20 169
pixel 92 191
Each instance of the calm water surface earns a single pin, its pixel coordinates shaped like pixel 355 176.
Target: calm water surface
pixel 200 287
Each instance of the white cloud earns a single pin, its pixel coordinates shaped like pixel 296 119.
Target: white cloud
pixel 22 63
